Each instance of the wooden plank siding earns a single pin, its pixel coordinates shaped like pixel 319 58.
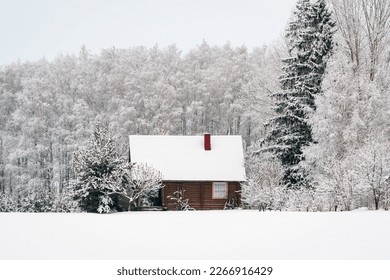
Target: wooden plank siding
pixel 199 195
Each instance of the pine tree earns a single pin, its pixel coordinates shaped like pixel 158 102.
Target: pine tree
pixel 100 173
pixel 310 43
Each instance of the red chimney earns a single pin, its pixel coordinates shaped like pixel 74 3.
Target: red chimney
pixel 207 141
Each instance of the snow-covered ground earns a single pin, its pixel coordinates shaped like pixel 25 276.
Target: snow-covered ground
pixel 196 235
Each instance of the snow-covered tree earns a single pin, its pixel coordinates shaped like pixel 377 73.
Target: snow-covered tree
pixel 373 167
pixel 100 172
pixel 64 202
pixel 336 186
pixel 263 189
pixel 143 182
pixel 7 203
pixel 352 115
pixel 35 199
pixel 364 27
pixel 310 44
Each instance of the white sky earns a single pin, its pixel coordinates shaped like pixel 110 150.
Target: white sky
pixel 31 29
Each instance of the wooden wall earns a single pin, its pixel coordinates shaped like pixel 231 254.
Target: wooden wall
pixel 199 195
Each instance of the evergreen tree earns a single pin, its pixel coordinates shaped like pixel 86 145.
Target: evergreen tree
pixel 100 173
pixel 310 43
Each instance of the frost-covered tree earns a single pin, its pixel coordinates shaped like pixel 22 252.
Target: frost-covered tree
pixel 372 165
pixel 7 203
pixel 263 189
pixel 364 27
pixel 352 116
pixel 335 187
pixel 360 179
pixel 310 44
pixel 100 172
pixel 35 199
pixel 143 182
pixel 64 202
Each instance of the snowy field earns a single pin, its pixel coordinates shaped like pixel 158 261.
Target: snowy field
pixel 196 235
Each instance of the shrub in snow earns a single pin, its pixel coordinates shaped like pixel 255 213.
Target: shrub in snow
pixel 7 203
pixel 181 202
pixel 263 189
pixel 360 178
pixel 301 200
pixel 231 203
pixel 35 200
pixel 336 185
pixel 142 182
pixel 65 203
pixel 373 171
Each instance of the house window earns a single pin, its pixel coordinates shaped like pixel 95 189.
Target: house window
pixel 220 190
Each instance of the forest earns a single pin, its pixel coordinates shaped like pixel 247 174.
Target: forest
pixel 313 109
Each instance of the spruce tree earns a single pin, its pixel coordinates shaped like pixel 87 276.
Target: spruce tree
pixel 100 172
pixel 310 41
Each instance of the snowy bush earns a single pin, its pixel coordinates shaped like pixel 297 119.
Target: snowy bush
pixel 65 203
pixel 231 203
pixel 358 179
pixel 7 203
pixel 263 189
pixel 143 181
pixel 180 201
pixel 373 171
pixel 35 200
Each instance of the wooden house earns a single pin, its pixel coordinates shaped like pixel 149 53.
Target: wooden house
pixel 207 170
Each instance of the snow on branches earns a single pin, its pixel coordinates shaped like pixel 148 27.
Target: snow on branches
pixel 100 172
pixel 144 181
pixel 310 43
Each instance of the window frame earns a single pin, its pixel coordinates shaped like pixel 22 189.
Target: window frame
pixel 213 190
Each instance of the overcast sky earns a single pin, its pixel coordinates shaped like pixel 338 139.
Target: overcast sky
pixel 31 30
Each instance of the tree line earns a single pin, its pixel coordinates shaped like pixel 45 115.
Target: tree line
pixel 329 152
pixel 49 108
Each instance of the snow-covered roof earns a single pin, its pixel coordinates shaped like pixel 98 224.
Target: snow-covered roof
pixel 183 158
